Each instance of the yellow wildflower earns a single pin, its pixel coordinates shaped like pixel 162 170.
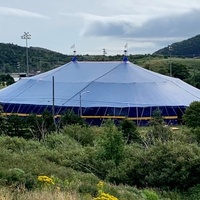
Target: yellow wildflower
pixel 45 179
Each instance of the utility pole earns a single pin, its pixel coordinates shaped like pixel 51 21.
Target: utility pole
pixel 80 102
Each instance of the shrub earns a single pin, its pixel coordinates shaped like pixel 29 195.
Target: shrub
pixel 40 127
pixel 69 118
pixel 171 165
pixel 82 134
pixel 157 131
pixel 130 132
pixel 111 144
pixel 18 179
pixel 149 195
pixel 193 193
pixel 192 115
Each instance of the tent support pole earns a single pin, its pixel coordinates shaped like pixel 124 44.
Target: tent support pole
pixel 53 101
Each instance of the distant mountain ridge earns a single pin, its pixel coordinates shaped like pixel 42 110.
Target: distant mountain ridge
pixel 186 48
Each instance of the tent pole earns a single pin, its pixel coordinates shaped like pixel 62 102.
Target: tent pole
pixel 53 101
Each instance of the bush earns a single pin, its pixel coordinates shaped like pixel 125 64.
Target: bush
pixel 171 165
pixel 111 144
pixel 69 118
pixel 82 134
pixel 193 193
pixel 149 195
pixel 157 131
pixel 192 115
pixel 19 180
pixel 130 132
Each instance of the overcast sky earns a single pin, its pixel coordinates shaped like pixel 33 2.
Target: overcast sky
pixel 92 25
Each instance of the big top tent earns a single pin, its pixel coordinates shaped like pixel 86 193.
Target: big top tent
pixel 99 90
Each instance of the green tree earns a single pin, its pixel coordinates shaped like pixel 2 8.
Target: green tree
pixel 2 121
pixel 111 143
pixel 171 165
pixel 69 118
pixel 195 80
pixel 17 126
pixel 192 115
pixel 180 71
pixel 157 131
pixel 41 126
pixel 6 79
pixel 129 131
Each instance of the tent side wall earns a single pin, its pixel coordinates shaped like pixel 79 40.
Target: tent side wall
pixel 96 115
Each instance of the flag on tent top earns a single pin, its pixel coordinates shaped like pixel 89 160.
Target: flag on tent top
pixel 72 47
pixel 126 46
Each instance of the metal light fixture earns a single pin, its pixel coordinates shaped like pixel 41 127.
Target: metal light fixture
pixel 26 36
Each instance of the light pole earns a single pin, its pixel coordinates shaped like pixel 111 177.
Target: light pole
pixel 170 61
pixel 80 98
pixel 18 67
pixel 26 36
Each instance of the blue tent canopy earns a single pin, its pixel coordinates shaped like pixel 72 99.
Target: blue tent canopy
pixel 100 90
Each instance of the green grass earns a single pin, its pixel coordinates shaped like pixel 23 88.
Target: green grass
pixel 155 64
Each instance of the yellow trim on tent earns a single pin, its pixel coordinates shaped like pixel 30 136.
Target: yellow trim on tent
pixel 98 117
pixel 128 118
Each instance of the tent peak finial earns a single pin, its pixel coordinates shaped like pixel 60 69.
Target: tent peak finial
pixel 125 58
pixel 74 59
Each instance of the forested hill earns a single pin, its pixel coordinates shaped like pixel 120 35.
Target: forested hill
pixel 13 58
pixel 185 48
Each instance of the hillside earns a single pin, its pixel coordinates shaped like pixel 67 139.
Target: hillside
pixel 13 58
pixel 186 48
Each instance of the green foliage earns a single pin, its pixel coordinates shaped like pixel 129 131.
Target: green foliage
pixel 111 144
pixel 27 127
pixel 156 118
pixel 157 131
pixel 40 127
pixel 16 126
pixel 129 130
pixel 6 79
pixel 2 121
pixel 14 56
pixel 195 80
pixel 18 179
pixel 180 71
pixel 171 165
pixel 69 118
pixel 78 156
pixel 192 115
pixel 82 134
pixel 187 48
pixel 196 133
pixel 60 142
pixel 193 193
pixel 149 195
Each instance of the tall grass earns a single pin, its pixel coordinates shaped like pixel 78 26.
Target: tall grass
pixel 6 194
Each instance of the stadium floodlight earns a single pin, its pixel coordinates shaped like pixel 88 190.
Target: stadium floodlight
pixel 170 61
pixel 26 36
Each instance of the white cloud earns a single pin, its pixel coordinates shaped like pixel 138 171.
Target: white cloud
pixel 6 11
pixel 141 26
pixel 146 25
